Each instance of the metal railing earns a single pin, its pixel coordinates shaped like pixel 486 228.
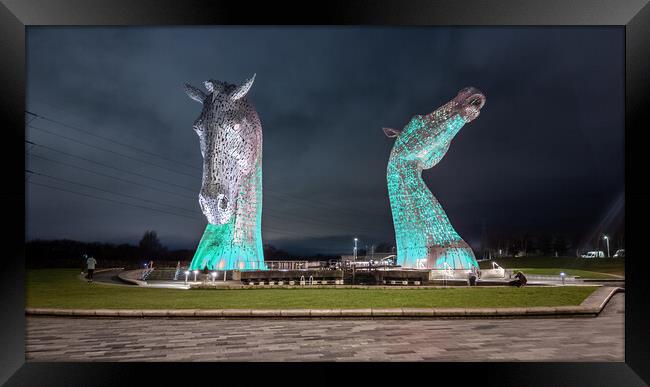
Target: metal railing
pixel 290 265
pixel 145 273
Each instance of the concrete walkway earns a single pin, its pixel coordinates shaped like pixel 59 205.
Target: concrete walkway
pixel 202 339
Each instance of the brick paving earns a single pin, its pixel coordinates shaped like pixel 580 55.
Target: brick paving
pixel 169 339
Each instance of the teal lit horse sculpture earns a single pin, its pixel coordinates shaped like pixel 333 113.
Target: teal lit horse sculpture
pixel 425 238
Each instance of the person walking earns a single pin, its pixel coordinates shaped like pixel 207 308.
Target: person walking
pixel 90 265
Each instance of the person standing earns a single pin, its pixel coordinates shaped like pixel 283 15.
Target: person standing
pixel 90 265
pixel 473 276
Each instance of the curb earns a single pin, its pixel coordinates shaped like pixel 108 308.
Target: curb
pixel 596 301
pixel 622 279
pixel 590 307
pixel 316 313
pixel 124 277
pixel 363 287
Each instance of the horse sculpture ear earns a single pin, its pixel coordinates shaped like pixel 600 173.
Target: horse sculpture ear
pixel 390 132
pixel 209 85
pixel 242 89
pixel 194 93
pixel 214 87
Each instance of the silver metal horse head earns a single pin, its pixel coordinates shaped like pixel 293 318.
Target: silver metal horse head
pixel 230 136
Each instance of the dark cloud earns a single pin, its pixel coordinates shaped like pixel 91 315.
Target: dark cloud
pixel 546 153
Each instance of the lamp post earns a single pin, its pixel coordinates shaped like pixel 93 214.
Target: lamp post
pixel 195 273
pixel 562 276
pixel 607 240
pixel 354 265
pixel 187 273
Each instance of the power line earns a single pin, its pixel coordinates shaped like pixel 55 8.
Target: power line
pixel 270 229
pixel 292 233
pixel 316 203
pixel 35 115
pixel 157 189
pixel 355 212
pixel 109 200
pixel 267 212
pixel 302 219
pixel 311 203
pixel 287 232
pixel 110 192
pixel 31 120
pixel 317 222
pixel 110 151
pixel 109 166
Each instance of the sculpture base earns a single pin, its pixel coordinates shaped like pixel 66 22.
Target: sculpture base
pixel 218 251
pixel 436 258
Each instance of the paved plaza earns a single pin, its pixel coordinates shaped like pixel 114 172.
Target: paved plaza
pixel 168 339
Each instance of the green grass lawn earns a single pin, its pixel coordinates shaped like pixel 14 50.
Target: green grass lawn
pixel 61 288
pixel 594 268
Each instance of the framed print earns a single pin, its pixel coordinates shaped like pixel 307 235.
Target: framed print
pixel 234 193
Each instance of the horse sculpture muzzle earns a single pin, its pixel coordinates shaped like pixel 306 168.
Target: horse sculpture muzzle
pixel 469 102
pixel 217 210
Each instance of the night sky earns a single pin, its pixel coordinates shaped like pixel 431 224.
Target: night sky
pixel 545 155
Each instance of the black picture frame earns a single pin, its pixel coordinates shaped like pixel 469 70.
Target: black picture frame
pixel 15 15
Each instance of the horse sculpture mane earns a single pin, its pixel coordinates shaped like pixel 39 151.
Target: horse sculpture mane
pixel 425 238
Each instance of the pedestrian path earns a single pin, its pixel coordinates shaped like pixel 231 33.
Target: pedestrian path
pixel 167 339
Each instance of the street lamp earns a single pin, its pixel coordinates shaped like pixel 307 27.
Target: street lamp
pixel 562 276
pixel 607 240
pixel 195 273
pixel 354 266
pixel 187 273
